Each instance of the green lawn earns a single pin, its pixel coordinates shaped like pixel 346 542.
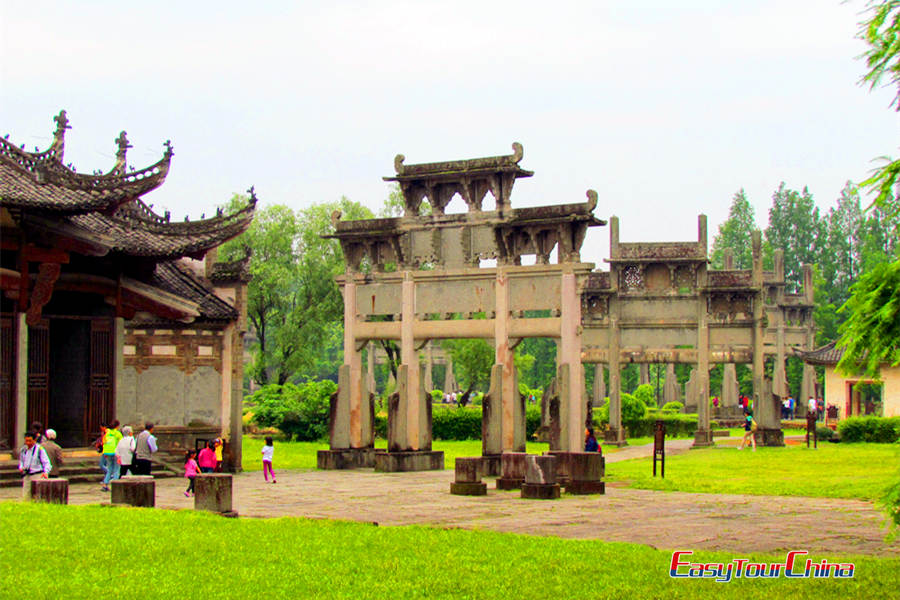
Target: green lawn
pixel 302 455
pixel 187 554
pixel 832 471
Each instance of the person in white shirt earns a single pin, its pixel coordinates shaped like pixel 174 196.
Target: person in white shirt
pixel 267 451
pixel 125 451
pixel 811 405
pixel 33 463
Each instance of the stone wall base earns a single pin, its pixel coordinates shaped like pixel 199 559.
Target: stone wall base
pixel 540 491
pixel 702 438
pixel 490 465
pixel 769 437
pixel 586 487
pixel 468 488
pixel 509 484
pixel 349 458
pixel 415 460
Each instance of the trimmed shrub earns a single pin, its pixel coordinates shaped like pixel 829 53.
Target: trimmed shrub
pixel 879 430
pixel 298 411
pixel 437 396
pixel 633 410
pixel 456 423
pixel 676 406
pixel 677 425
pixel 645 394
pixel 824 433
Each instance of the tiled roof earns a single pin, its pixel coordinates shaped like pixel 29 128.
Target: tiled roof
pixel 173 278
pixel 828 354
pixel 236 270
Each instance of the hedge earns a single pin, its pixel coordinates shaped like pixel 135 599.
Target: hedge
pixel 461 422
pixel 880 430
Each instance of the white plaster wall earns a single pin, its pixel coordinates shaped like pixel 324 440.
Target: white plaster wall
pixel 168 397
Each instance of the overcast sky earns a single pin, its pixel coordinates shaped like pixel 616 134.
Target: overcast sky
pixel 665 108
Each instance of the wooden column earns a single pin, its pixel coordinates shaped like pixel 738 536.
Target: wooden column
pixel 21 407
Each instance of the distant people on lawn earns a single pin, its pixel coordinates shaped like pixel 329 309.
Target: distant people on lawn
pixel 54 452
pixel 219 446
pixel 145 447
pixel 125 452
pixel 207 458
pixel 33 463
pixel 590 441
pixel 791 403
pixel 267 451
pixel 785 408
pixel 749 430
pixel 820 409
pixel 191 469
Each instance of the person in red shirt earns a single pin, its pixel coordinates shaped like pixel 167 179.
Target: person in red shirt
pixel 207 458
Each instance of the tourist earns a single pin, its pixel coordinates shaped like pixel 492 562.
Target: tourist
pixel 820 409
pixel 191 468
pixel 54 452
pixel 145 447
pixel 219 446
pixel 749 430
pixel 267 451
pixel 791 403
pixel 811 406
pixel 33 463
pixel 108 460
pixel 125 451
pixel 590 442
pixel 207 458
pixel 785 408
pixel 38 430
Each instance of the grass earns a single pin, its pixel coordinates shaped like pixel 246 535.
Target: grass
pixel 833 471
pixel 187 554
pixel 302 455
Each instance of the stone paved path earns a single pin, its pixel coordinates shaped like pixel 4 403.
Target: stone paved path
pixel 665 520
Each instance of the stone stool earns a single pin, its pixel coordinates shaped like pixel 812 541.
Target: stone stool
pixel 490 465
pixel 212 492
pixel 468 478
pixel 540 478
pixel 54 491
pixel 586 469
pixel 563 465
pixel 512 470
pixel 134 490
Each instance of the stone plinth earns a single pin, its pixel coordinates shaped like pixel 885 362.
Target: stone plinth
pixel 769 437
pixel 586 470
pixel 703 438
pixel 512 470
pixel 134 490
pixel 540 478
pixel 416 460
pixel 563 466
pixel 349 458
pixel 54 491
pixel 490 465
pixel 468 470
pixel 212 492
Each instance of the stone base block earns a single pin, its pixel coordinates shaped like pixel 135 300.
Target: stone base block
pixel 586 487
pixel 349 458
pixel 770 437
pixel 509 484
pixel 417 460
pixel 540 491
pixel 702 438
pixel 490 465
pixel 468 489
pixel 212 492
pixel 720 433
pixel 136 490
pixel 54 491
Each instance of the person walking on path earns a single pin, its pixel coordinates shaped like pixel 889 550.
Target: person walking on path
pixel 191 469
pixel 267 451
pixel 125 451
pixel 749 430
pixel 144 449
pixel 207 458
pixel 33 463
pixel 54 452
pixel 108 460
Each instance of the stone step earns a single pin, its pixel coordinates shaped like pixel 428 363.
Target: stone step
pixel 84 478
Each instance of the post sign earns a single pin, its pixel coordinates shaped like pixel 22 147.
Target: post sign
pixel 659 447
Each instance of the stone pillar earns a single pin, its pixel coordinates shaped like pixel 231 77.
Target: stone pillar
pixel 644 374
pixel 492 417
pixel 729 397
pixel 449 379
pixel 703 435
pixel 507 400
pixel 616 434
pixel 570 346
pixel 352 409
pixel 670 388
pixel 53 491
pixel 599 389
pixel 212 492
pixel 410 357
pixel 762 397
pixel 540 478
pixel 21 409
pixel 119 370
pixel 429 360
pixel 339 413
pixel 397 414
pixel 586 471
pixel 808 383
pixel 226 397
pixel 370 371
pixel 468 478
pixel 134 490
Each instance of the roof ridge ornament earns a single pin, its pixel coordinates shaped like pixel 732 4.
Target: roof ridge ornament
pixel 497 162
pixel 121 166
pixel 252 192
pixel 169 151
pixel 57 149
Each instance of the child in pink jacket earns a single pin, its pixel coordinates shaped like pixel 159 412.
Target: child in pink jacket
pixel 191 468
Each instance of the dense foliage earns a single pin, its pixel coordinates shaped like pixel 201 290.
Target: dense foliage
pixel 881 430
pixel 300 412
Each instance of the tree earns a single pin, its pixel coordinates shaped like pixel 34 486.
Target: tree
pixel 796 228
pixel 735 233
pixel 292 300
